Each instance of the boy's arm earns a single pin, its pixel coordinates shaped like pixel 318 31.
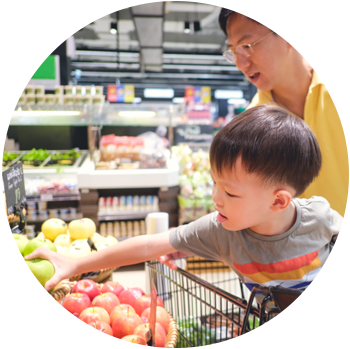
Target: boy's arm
pixel 344 249
pixel 132 251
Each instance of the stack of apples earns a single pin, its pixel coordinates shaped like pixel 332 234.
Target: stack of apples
pixel 122 313
pixel 72 240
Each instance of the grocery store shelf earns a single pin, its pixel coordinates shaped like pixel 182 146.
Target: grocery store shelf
pixel 53 197
pixel 123 215
pixel 115 114
pixel 68 218
pixel 90 178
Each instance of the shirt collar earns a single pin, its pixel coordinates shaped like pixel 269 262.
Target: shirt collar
pixel 318 74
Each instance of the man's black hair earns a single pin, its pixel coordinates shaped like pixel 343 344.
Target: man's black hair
pixel 274 13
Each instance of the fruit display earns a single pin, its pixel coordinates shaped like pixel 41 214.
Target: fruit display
pixel 195 198
pixel 114 315
pixel 19 276
pixel 81 228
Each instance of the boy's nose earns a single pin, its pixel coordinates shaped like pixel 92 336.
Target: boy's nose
pixel 242 62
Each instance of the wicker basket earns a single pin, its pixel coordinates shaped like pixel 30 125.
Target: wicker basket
pixel 6 220
pixel 100 276
pixel 15 309
pixel 16 342
pixel 171 337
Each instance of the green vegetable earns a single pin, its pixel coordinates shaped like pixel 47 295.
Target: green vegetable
pixel 34 154
pixel 8 156
pixel 197 335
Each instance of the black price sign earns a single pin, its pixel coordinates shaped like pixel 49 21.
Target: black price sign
pixel 14 187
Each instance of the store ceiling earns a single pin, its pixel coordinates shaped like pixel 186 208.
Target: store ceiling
pixel 154 50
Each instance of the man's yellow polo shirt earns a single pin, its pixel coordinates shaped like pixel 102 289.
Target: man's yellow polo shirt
pixel 322 117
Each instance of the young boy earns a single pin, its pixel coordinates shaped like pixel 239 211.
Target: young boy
pixel 260 162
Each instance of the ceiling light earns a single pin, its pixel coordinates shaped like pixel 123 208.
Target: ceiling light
pixel 158 93
pixel 113 30
pixel 137 114
pixel 43 113
pixel 227 94
pixel 196 26
pixel 237 101
pixel 329 17
pixel 178 100
pixel 53 9
pixel 187 27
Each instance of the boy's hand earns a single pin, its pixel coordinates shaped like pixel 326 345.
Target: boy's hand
pixel 62 264
pixel 169 259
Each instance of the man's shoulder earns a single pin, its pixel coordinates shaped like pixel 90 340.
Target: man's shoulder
pixel 261 97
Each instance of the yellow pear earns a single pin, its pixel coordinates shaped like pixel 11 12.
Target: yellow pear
pixel 42 236
pixel 111 240
pixel 82 228
pixel 97 237
pixel 53 227
pixel 63 240
pixel 62 250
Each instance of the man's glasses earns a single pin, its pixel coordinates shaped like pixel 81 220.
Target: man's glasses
pixel 244 50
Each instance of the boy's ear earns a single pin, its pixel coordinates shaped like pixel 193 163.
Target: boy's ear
pixel 281 200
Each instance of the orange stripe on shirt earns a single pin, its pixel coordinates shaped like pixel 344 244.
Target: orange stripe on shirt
pixel 278 267
pixel 263 277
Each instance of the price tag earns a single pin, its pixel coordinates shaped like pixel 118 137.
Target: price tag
pixel 14 187
pixel 46 197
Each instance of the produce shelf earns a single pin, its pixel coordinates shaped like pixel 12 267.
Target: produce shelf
pixel 123 215
pixel 53 197
pixel 69 218
pixel 90 178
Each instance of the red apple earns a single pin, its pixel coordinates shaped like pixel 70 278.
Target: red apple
pixel 63 344
pixel 67 334
pixel 112 286
pixel 124 325
pixel 131 342
pixel 88 287
pixel 99 340
pixel 106 301
pixel 97 327
pixel 75 303
pixel 121 309
pixel 160 336
pixel 144 302
pixel 130 296
pixel 94 313
pixel 161 316
pixel 144 319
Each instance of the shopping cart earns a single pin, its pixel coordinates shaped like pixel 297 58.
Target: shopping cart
pixel 210 304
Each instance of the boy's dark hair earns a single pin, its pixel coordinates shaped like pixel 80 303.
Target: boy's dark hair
pixel 271 143
pixel 274 13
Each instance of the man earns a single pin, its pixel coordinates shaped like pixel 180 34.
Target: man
pixel 283 77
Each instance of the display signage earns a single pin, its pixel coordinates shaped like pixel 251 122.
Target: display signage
pixel 198 94
pixel 120 93
pixel 14 187
pixel 194 134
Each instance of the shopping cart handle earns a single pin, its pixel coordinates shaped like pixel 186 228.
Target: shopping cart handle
pixel 301 303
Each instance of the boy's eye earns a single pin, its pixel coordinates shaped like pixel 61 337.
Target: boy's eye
pixel 230 195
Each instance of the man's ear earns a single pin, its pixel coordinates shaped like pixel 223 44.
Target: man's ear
pixel 281 200
pixel 292 32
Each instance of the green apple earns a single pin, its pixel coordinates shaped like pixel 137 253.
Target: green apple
pixel 12 267
pixel 9 284
pixel 32 275
pixel 36 243
pixel 11 256
pixel 14 242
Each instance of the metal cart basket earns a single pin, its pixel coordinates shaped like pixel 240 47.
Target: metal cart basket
pixel 209 304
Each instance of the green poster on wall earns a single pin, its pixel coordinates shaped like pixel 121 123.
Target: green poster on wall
pixel 47 70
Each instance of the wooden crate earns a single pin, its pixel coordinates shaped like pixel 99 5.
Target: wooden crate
pixel 42 329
